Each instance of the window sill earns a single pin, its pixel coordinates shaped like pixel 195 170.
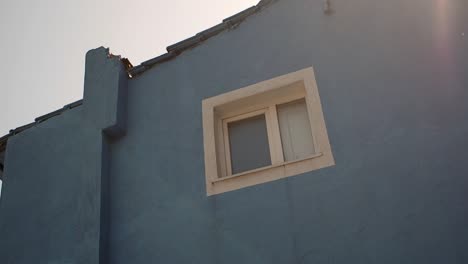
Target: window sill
pixel 284 164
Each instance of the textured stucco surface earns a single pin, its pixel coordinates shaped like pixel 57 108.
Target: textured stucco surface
pixel 394 94
pixel 56 176
pixel 49 209
pixel 393 85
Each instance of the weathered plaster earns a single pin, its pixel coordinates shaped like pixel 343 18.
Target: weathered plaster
pixel 396 118
pixel 392 80
pixel 55 176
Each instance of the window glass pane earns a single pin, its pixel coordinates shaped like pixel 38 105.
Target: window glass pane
pixel 296 134
pixel 248 141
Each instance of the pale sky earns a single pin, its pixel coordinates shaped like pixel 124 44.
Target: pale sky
pixel 44 43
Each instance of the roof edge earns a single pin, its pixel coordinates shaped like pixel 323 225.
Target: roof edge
pixel 38 120
pixel 172 52
pixel 176 49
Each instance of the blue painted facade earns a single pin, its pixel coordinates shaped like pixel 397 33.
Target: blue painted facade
pixel 120 179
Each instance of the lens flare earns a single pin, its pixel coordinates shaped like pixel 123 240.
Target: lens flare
pixel 443 40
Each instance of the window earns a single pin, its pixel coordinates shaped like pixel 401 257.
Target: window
pixel 264 132
pixel 247 143
pixel 295 130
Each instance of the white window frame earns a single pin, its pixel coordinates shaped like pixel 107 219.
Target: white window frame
pixel 258 99
pixel 227 148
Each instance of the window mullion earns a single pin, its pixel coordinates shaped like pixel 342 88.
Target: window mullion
pixel 274 137
pixel 227 149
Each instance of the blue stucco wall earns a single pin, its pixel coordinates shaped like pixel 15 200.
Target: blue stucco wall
pixel 392 77
pixel 54 204
pixel 393 84
pixel 49 209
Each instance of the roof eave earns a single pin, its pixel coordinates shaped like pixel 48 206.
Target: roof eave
pixel 176 49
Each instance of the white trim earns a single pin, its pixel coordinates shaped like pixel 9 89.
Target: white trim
pixel 268 167
pixel 253 100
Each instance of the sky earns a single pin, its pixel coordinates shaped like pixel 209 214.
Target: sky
pixel 44 43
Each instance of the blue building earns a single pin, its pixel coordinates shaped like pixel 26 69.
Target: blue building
pixel 297 131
